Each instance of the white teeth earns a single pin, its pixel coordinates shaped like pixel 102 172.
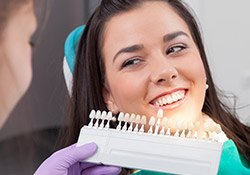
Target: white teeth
pixel 164 100
pixel 157 104
pixel 161 102
pixel 174 97
pixel 168 99
pixel 179 96
pixel 160 113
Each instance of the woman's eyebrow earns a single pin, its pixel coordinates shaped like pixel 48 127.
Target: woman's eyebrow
pixel 136 47
pixel 171 36
pixel 128 49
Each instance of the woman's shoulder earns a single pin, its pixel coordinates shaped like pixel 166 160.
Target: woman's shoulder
pixel 231 161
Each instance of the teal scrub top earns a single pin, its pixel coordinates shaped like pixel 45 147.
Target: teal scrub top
pixel 231 162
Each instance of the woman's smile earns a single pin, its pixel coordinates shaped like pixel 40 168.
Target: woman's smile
pixel 170 100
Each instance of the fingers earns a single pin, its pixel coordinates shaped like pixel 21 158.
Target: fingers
pixel 72 154
pixel 85 165
pixel 102 170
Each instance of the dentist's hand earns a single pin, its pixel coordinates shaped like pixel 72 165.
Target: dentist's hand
pixel 67 162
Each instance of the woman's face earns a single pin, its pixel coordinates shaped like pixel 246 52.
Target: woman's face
pixel 15 57
pixel 15 48
pixel 152 63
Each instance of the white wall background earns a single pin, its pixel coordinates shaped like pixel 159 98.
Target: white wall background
pixel 226 27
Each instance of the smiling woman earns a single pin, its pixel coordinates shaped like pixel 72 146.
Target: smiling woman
pixel 139 56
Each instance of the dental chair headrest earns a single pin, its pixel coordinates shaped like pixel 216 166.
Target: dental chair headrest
pixel 70 50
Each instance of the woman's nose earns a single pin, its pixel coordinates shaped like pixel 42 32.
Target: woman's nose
pixel 163 73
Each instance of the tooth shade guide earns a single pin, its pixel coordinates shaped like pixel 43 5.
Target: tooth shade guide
pixel 182 129
pixel 115 148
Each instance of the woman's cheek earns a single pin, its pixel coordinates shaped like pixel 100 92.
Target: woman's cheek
pixel 194 69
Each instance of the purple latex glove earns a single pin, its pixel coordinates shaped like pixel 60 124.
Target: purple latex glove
pixel 67 162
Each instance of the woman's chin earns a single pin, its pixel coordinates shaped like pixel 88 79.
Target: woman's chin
pixel 24 84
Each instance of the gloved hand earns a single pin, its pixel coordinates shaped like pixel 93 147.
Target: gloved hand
pixel 66 162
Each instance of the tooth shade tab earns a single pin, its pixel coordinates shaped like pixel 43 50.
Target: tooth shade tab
pixel 189 134
pixel 160 114
pixel 204 135
pixel 121 117
pixel 206 127
pixel 132 118
pixel 126 120
pixel 162 132
pixel 158 123
pixel 164 122
pixel 137 119
pixel 179 124
pixel 151 124
pixel 92 114
pixel 218 128
pixel 185 125
pixel 126 117
pixel 109 116
pixel 103 117
pixel 144 120
pixel 183 134
pixel 190 126
pixel 195 135
pixel 152 121
pixel 131 121
pixel 197 125
pixel 97 116
pixel 104 114
pixel 170 123
pixel 168 133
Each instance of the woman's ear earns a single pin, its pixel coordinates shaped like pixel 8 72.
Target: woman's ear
pixel 109 100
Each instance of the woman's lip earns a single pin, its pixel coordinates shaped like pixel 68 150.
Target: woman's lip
pixel 173 105
pixel 167 93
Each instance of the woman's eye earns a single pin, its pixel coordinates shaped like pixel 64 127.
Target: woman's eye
pixel 175 49
pixel 131 62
